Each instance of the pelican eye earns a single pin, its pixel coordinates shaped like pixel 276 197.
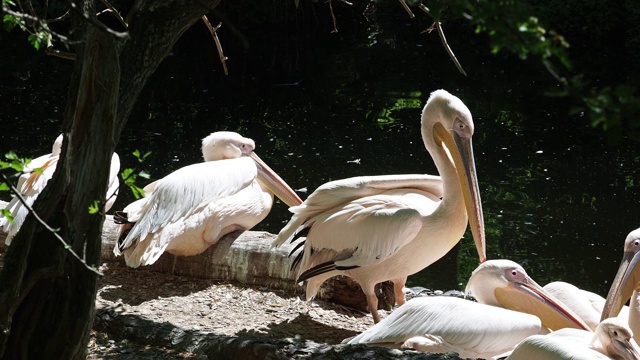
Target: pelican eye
pixel 462 128
pixel 514 274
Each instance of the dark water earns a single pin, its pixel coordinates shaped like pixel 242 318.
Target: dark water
pixel 324 106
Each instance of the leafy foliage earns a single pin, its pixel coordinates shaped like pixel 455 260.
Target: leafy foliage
pixel 129 175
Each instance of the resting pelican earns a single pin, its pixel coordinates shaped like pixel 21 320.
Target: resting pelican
pixel 505 283
pixel 626 284
pixel 612 339
pixel 482 329
pixel 32 182
pixel 377 228
pixel 190 209
pixel 442 324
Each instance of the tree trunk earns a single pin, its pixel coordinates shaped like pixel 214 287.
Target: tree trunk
pixel 46 295
pixel 49 311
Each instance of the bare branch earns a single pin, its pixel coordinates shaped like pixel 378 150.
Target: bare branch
pixel 62 17
pixel 115 13
pixel 67 247
pixel 442 38
pixel 61 54
pixel 449 51
pixel 223 59
pixel 335 26
pixel 93 21
pixel 406 7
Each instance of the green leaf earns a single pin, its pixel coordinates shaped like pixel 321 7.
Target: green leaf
pixel 95 207
pixel 144 174
pixel 137 191
pixel 6 213
pixel 126 173
pixel 4 186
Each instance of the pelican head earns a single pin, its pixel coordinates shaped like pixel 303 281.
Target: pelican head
pixel 506 284
pixel 614 339
pixel 222 145
pixel 449 119
pixel 627 278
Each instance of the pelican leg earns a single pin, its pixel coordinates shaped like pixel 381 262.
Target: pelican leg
pixel 372 304
pixel 398 286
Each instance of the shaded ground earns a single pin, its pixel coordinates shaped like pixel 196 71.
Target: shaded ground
pixel 206 306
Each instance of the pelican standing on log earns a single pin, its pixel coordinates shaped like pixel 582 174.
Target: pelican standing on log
pixel 472 329
pixel 378 228
pixel 36 175
pixel 192 208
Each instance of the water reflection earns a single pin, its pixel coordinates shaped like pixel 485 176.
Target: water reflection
pixel 556 199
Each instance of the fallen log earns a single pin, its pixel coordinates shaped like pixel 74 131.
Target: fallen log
pixel 246 258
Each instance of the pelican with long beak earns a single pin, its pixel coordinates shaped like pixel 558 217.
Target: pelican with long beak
pixel 505 283
pixel 378 228
pixel 626 285
pixel 483 329
pixel 192 208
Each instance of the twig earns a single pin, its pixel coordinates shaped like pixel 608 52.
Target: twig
pixel 449 51
pixel 335 26
pixel 115 13
pixel 223 59
pixel 442 38
pixel 40 22
pixel 46 226
pixel 93 21
pixel 62 17
pixel 61 54
pixel 406 7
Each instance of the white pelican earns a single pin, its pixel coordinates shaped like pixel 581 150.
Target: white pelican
pixel 626 285
pixel 612 339
pixel 505 283
pixel 190 209
pixel 377 228
pixel 586 304
pixel 480 329
pixel 31 183
pixel 442 324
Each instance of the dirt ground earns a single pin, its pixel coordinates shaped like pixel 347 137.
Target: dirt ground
pixel 207 306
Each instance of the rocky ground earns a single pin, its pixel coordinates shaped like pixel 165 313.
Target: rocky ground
pixel 207 306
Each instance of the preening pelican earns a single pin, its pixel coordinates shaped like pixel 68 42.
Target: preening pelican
pixel 190 209
pixel 482 329
pixel 612 339
pixel 442 324
pixel 31 183
pixel 505 283
pixel 626 284
pixel 378 228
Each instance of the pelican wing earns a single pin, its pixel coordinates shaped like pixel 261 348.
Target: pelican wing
pixel 338 194
pixel 184 191
pixel 443 324
pixel 30 185
pixel 368 230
